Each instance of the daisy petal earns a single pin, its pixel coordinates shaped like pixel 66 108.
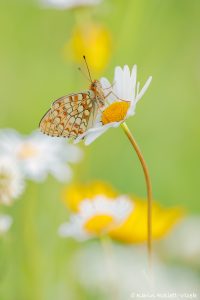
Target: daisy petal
pixel 118 79
pixel 126 83
pixel 92 136
pixel 105 83
pixel 107 87
pixel 62 173
pixel 143 90
pixel 133 81
pixel 94 133
pixel 5 223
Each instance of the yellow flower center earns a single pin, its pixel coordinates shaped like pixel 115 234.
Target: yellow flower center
pixel 27 151
pixel 98 224
pixel 115 112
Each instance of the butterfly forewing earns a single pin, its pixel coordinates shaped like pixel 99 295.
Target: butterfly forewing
pixel 69 116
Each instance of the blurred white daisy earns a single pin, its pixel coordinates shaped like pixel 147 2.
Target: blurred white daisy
pixel 132 280
pixel 68 4
pixel 97 217
pixel 5 223
pixel 121 101
pixel 11 180
pixel 38 155
pixel 183 243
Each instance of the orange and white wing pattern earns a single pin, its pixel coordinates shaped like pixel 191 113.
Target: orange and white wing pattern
pixel 69 116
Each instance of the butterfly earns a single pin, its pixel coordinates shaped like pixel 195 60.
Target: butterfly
pixel 73 114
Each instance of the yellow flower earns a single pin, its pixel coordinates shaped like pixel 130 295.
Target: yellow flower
pixel 98 209
pixel 92 40
pixel 75 194
pixel 134 229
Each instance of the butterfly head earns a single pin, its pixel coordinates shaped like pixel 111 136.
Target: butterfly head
pixel 96 87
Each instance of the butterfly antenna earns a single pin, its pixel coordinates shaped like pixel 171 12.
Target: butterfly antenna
pixel 84 74
pixel 87 67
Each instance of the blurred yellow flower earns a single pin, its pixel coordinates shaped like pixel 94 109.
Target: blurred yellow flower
pixel 134 229
pixel 92 40
pixel 75 194
pixel 96 208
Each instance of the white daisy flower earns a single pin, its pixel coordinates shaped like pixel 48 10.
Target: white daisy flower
pixel 121 102
pixel 68 4
pixel 5 223
pixel 37 154
pixel 96 217
pixel 11 180
pixel 130 275
pixel 183 244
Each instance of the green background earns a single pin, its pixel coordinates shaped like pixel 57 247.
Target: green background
pixel 163 39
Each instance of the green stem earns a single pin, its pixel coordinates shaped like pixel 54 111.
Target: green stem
pixel 149 189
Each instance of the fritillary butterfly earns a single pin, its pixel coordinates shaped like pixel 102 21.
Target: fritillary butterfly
pixel 73 114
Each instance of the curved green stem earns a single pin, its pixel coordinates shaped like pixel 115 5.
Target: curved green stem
pixel 148 185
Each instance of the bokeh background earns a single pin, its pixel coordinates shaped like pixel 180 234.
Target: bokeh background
pixel 163 39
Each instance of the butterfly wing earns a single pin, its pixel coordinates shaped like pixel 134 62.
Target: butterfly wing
pixel 69 116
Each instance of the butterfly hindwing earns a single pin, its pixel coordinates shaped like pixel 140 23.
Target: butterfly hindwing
pixel 69 116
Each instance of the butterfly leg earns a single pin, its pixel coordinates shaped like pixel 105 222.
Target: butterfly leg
pixel 111 92
pixel 111 86
pixel 106 96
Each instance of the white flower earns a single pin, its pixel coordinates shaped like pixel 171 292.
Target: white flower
pixel 96 217
pixel 37 154
pixel 5 223
pixel 68 4
pixel 11 180
pixel 124 94
pixel 130 275
pixel 183 243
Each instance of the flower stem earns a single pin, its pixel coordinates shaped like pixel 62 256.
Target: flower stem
pixel 149 189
